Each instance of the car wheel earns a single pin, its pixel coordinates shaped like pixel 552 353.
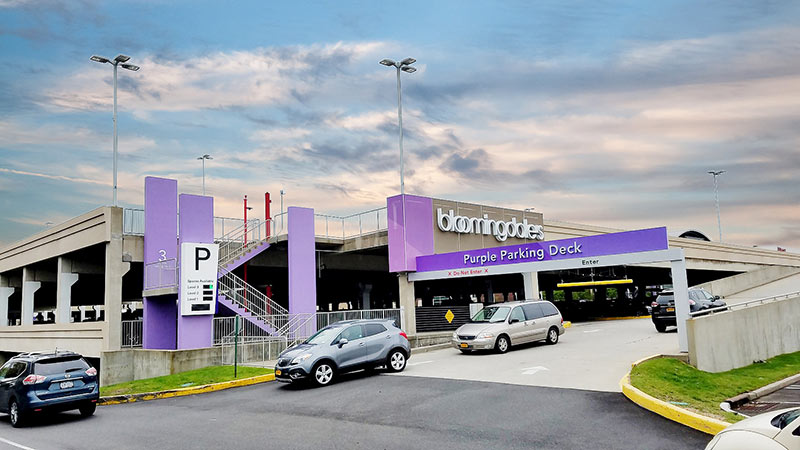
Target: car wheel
pixel 15 415
pixel 322 373
pixel 661 328
pixel 396 361
pixel 88 409
pixel 502 344
pixel 552 336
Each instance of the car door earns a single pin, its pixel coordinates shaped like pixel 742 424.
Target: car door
pixel 378 341
pixel 8 377
pixel 536 325
pixel 354 352
pixel 517 329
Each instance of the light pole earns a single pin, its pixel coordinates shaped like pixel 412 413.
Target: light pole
pixel 405 66
pixel 204 158
pixel 119 60
pixel 717 173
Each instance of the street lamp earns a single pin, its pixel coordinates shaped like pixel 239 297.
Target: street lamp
pixel 204 158
pixel 405 66
pixel 717 173
pixel 120 60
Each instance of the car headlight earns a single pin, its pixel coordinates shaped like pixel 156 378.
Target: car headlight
pixel 301 358
pixel 485 335
pixel 455 336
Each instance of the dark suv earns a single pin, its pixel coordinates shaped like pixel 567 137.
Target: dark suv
pixel 663 309
pixel 31 383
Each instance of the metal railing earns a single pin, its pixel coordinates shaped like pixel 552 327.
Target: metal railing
pixel 338 227
pixel 253 351
pixel 161 274
pixel 326 318
pixel 241 240
pixel 293 327
pixel 745 304
pixel 225 326
pixel 132 333
pixel 248 297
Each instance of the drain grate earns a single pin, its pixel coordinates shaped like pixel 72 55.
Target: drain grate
pixel 758 408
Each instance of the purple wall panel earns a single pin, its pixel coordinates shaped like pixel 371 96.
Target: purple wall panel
pixel 302 261
pixel 196 223
pixel 160 233
pixel 410 234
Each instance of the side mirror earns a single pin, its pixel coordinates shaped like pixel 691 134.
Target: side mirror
pixel 513 320
pixel 717 297
pixel 342 341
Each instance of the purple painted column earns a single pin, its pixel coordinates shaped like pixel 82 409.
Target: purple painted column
pixel 196 222
pixel 302 264
pixel 160 243
pixel 410 225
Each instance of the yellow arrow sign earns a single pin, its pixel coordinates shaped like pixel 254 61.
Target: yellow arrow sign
pixel 449 316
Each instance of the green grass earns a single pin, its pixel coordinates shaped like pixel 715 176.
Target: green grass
pixel 199 377
pixel 673 381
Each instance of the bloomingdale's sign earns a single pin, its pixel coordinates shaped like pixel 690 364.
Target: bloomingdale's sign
pixel 501 230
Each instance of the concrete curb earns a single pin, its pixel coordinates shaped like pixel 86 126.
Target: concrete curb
pixel 429 348
pixel 684 417
pixel 762 391
pixel 130 398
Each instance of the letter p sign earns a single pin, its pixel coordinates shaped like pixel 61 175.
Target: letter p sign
pixel 200 254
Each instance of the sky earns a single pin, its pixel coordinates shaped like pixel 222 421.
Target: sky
pixel 607 113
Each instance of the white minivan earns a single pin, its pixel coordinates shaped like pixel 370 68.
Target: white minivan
pixel 502 325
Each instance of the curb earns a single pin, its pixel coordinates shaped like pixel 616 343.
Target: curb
pixel 429 348
pixel 603 319
pixel 683 416
pixel 762 391
pixel 130 398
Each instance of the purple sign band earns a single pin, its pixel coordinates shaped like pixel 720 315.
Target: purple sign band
pixel 581 247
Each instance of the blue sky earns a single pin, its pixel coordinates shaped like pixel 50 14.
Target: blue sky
pixel 606 113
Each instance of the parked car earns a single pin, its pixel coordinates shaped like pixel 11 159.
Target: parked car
pixel 500 326
pixel 343 347
pixel 34 383
pixel 776 430
pixel 663 308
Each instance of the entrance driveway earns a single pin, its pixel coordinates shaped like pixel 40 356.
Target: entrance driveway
pixel 592 356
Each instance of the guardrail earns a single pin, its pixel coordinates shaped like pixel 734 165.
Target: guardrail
pixel 131 333
pixel 161 274
pixel 326 318
pixel 338 227
pixel 745 304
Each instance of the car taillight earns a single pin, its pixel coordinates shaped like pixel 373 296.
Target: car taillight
pixel 33 379
pixel 654 304
pixel 691 302
pixel 91 371
pixel 403 333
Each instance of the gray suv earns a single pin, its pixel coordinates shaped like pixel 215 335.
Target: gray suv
pixel 343 347
pixel 502 325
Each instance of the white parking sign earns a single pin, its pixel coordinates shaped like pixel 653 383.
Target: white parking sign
pixel 199 264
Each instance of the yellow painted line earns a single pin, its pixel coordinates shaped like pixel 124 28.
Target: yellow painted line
pixel 130 398
pixel 685 417
pixel 594 283
pixel 600 319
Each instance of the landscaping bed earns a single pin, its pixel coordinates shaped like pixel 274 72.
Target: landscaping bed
pixel 680 384
pixel 192 378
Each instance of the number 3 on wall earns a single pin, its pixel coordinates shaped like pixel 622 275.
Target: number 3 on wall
pixel 162 255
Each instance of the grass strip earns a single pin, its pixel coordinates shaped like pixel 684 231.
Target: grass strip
pixel 675 382
pixel 191 378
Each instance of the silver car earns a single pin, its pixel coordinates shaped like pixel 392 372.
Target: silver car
pixel 343 347
pixel 502 325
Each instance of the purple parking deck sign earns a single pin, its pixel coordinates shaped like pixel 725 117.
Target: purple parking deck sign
pixel 651 239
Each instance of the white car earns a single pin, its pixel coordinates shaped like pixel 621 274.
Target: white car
pixel 776 430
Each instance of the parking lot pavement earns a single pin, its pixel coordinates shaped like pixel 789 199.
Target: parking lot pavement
pixel 788 397
pixel 367 412
pixel 592 356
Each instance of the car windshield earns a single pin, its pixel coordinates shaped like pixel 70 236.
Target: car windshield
pixel 786 418
pixel 323 336
pixel 492 314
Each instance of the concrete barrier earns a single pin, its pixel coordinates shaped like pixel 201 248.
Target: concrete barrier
pixel 740 337
pixel 136 364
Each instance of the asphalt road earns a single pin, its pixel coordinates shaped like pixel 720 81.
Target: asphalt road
pixel 367 412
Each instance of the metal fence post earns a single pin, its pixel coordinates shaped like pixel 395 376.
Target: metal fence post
pixel 235 346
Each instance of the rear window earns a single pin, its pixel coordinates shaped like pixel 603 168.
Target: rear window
pixel 549 309
pixel 60 365
pixel 782 420
pixel 374 328
pixel 666 298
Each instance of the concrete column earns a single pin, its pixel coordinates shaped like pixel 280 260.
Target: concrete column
pixel 680 285
pixel 5 292
pixel 115 270
pixel 365 290
pixel 64 281
pixel 408 307
pixel 531 282
pixel 29 288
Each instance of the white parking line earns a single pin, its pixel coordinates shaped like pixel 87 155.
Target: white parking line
pixel 12 443
pixel 533 370
pixel 418 363
pixel 591 331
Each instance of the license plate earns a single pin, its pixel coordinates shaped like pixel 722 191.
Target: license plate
pixel 278 372
pixel 66 384
pixel 464 345
pixel 670 309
